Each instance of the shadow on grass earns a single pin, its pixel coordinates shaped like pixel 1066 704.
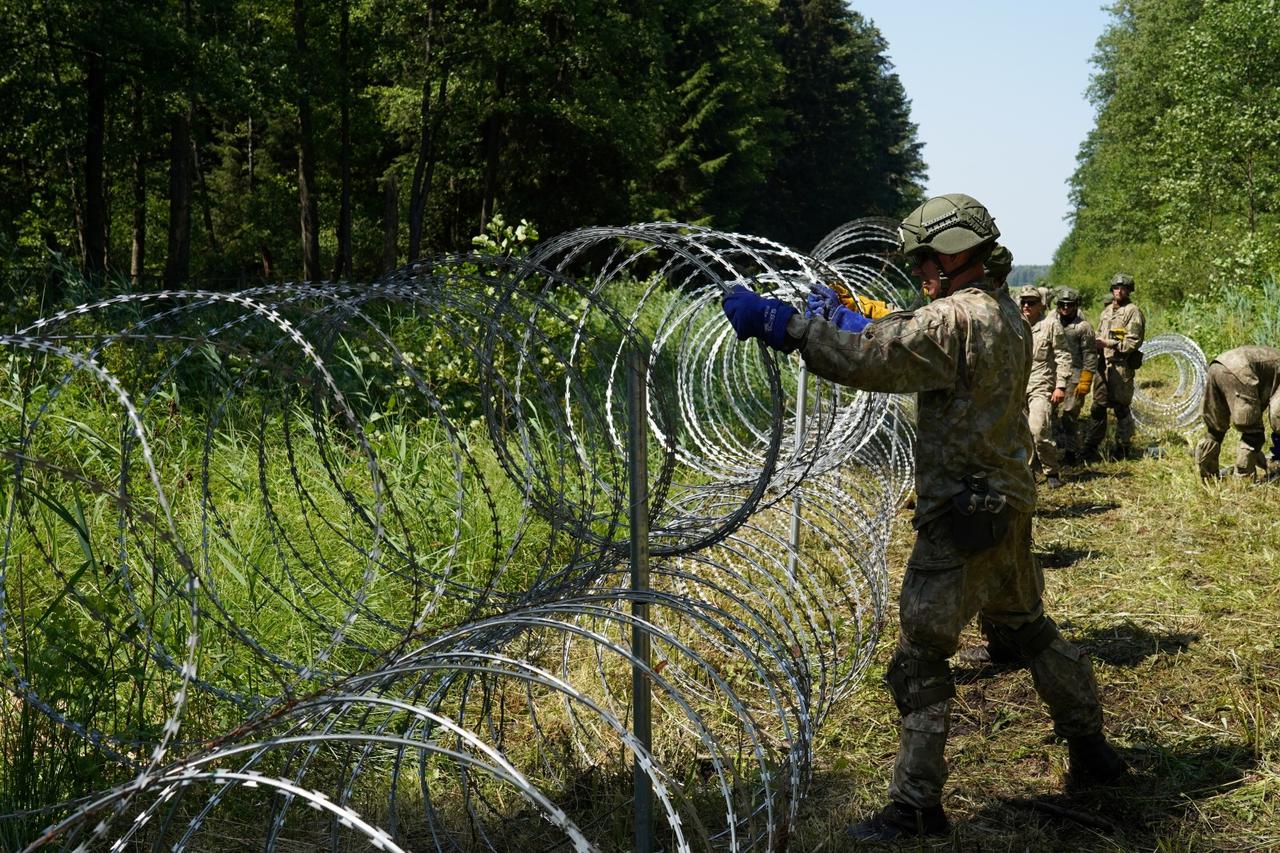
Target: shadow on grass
pixel 1079 509
pixel 1152 804
pixel 1059 558
pixel 1127 644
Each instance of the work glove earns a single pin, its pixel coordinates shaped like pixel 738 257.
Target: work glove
pixel 753 316
pixel 1086 382
pixel 824 302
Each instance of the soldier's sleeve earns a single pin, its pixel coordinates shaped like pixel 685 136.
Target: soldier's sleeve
pixel 1061 355
pixel 1135 331
pixel 1089 341
pixel 901 352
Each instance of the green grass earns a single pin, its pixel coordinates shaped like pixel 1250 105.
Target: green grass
pixel 1173 589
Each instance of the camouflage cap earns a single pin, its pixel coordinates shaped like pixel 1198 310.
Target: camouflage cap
pixel 1030 291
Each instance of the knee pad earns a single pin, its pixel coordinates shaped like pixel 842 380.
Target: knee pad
pixel 1030 639
pixel 904 678
pixel 1122 411
pixel 1098 413
pixel 1252 440
pixel 1218 436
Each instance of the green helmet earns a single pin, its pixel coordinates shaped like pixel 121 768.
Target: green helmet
pixel 1068 295
pixel 1122 280
pixel 999 262
pixel 948 224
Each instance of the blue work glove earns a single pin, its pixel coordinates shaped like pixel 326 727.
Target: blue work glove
pixel 753 316
pixel 822 302
pixel 848 320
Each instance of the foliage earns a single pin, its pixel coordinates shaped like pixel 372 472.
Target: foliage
pixel 850 146
pixel 1228 317
pixel 1178 183
pixel 1027 274
pixel 499 238
pixel 563 113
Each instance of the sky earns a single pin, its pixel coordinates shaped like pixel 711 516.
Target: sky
pixel 1022 66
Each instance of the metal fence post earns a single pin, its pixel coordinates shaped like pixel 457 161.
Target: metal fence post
pixel 642 723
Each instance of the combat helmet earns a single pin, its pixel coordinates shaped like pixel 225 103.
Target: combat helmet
pixel 999 263
pixel 1067 296
pixel 948 224
pixel 1030 291
pixel 1121 279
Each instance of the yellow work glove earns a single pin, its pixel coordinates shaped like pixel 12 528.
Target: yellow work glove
pixel 873 308
pixel 1086 381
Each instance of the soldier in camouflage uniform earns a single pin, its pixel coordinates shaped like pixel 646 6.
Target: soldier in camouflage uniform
pixel 1083 348
pixel 1243 382
pixel 1120 334
pixel 967 354
pixel 1047 385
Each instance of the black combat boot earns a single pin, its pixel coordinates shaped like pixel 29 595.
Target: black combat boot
pixel 1120 452
pixel 1093 761
pixel 896 821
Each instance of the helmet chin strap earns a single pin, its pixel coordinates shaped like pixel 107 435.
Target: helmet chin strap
pixel 945 275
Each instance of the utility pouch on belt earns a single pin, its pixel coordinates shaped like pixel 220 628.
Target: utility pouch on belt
pixel 979 515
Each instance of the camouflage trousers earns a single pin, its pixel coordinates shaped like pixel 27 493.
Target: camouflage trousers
pixel 1066 422
pixel 1112 390
pixel 943 589
pixel 1040 420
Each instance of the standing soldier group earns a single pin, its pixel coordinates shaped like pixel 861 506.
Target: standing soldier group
pixel 1067 357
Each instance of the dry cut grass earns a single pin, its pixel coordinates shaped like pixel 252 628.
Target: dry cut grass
pixel 1174 590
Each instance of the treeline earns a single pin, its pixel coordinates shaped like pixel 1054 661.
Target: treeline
pixel 1179 181
pixel 185 139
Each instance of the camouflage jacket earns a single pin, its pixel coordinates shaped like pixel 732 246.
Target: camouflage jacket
pixel 1125 324
pixel 968 356
pixel 1081 345
pixel 1050 361
pixel 1258 369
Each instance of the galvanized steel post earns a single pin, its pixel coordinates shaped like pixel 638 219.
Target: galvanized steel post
pixel 638 440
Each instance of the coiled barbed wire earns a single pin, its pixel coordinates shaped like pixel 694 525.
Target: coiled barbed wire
pixel 348 561
pixel 1170 400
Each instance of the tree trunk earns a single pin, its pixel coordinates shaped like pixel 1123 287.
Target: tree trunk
pixel 138 254
pixel 95 196
pixel 206 207
pixel 177 262
pixel 307 204
pixel 390 222
pixel 342 263
pixel 425 166
pixel 492 145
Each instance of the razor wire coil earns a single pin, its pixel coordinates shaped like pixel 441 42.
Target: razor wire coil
pixel 354 554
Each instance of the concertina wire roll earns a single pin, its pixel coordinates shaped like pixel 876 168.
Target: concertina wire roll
pixel 345 565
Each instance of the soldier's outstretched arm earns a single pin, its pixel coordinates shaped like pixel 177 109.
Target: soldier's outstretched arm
pixel 901 352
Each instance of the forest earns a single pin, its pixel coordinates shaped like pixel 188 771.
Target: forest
pixel 1178 182
pixel 322 403
pixel 224 140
